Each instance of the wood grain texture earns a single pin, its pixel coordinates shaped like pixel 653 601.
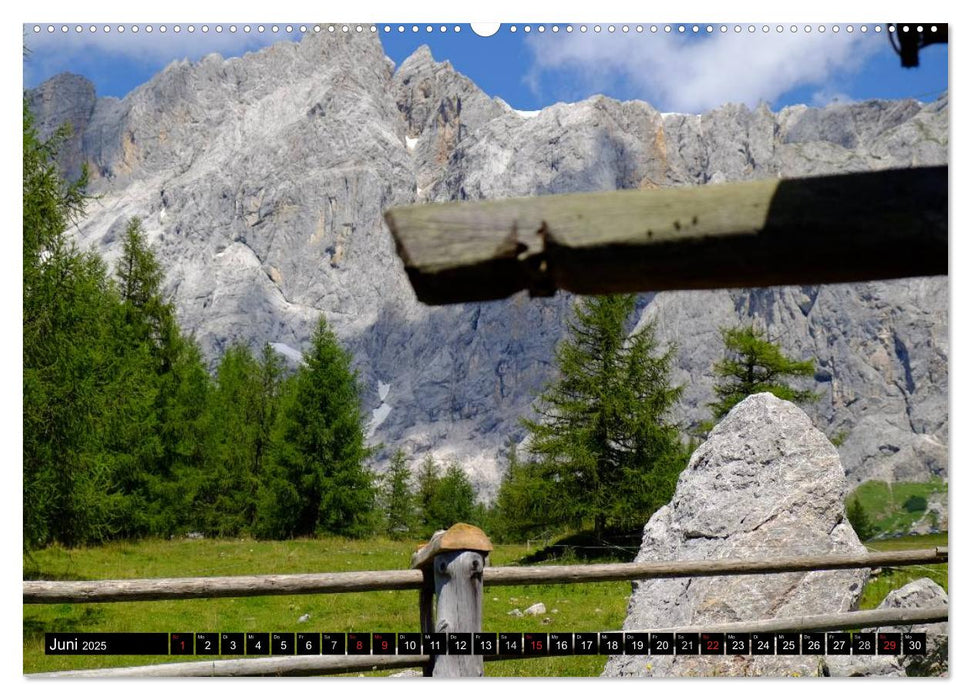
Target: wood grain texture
pixel 840 228
pixel 218 586
pixel 458 590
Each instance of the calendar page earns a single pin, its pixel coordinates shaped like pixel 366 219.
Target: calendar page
pixel 524 349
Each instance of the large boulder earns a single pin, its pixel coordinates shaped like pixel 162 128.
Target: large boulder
pixel 765 484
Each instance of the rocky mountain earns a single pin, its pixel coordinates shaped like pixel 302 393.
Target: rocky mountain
pixel 262 180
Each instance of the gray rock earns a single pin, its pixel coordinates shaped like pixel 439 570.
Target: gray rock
pixel 304 618
pixel 935 518
pixel 262 181
pixel 765 484
pixel 922 593
pixel 535 609
pixel 65 99
pixel 515 612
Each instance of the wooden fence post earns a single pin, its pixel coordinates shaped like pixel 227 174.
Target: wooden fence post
pixel 452 564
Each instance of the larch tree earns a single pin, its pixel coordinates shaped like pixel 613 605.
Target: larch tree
pixel 602 440
pixel 753 364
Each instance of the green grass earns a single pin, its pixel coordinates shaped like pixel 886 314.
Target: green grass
pixel 594 607
pixel 578 607
pixel 886 504
pixel 889 579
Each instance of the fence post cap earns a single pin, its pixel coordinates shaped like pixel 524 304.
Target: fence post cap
pixel 459 537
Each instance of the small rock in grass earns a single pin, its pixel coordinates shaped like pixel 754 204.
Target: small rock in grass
pixel 515 612
pixel 537 609
pixel 304 618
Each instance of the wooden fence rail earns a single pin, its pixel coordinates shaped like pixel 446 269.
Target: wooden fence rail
pixel 329 665
pixel 813 230
pixel 450 572
pixel 41 592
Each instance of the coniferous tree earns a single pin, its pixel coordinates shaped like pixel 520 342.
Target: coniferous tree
pixel 162 488
pixel 454 499
pixel 140 284
pixel 523 501
pixel 753 364
pixel 428 478
pixel 859 520
pixel 68 302
pixel 398 500
pixel 319 481
pixel 271 373
pixel 602 438
pixel 224 496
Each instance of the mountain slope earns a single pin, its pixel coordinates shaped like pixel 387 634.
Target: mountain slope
pixel 262 181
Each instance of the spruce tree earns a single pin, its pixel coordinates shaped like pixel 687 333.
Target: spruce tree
pixel 398 499
pixel 454 499
pixel 753 364
pixel 428 478
pixel 319 481
pixel 602 438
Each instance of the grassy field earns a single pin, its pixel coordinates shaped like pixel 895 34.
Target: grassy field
pixel 571 608
pixel 895 508
pixel 594 607
pixel 890 579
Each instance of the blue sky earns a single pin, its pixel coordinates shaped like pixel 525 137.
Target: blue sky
pixel 674 71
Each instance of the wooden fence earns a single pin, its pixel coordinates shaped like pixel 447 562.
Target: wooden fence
pixel 813 230
pixel 452 570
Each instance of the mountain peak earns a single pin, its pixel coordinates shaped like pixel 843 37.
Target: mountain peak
pixel 421 57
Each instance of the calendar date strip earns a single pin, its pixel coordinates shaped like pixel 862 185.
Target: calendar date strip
pixel 492 645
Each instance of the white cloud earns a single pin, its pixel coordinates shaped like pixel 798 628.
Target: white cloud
pixel 678 73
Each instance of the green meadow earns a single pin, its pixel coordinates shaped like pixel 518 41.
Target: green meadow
pixel 894 508
pixel 570 607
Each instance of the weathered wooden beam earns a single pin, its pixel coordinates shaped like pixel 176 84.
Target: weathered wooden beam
pixel 818 230
pixel 218 586
pixel 589 573
pixel 454 560
pixel 41 592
